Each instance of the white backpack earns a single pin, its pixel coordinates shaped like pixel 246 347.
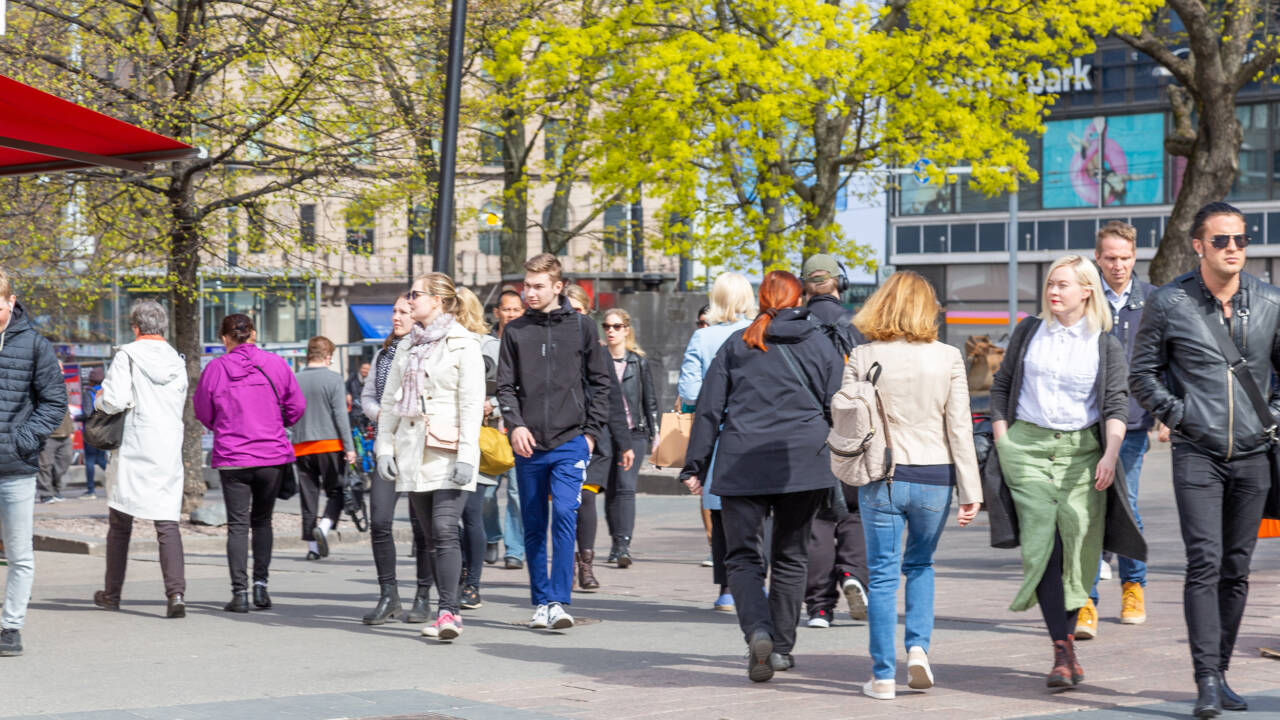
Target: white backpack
pixel 861 449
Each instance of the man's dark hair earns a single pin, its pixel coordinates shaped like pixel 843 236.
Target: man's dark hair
pixel 1211 210
pixel 509 293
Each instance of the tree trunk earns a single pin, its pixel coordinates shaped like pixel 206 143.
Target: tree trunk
pixel 184 298
pixel 515 194
pixel 773 254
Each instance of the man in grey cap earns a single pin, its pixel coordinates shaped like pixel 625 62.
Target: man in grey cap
pixel 837 548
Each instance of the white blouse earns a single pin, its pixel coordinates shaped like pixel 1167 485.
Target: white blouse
pixel 1059 373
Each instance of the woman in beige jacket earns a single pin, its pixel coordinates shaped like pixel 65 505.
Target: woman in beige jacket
pixel 925 397
pixel 429 431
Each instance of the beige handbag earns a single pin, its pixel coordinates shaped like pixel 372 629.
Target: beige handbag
pixel 445 438
pixel 673 439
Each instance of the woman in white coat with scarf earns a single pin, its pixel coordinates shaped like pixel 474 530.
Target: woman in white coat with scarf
pixel 429 431
pixel 148 380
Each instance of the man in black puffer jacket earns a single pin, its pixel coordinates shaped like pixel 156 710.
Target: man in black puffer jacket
pixel 1221 473
pixel 33 402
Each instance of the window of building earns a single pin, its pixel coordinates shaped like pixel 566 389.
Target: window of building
pixel 548 232
pixel 1273 229
pixel 1114 72
pixel 989 282
pixel 1149 231
pixel 616 225
pixel 419 228
pixel 971 200
pixel 362 150
pixel 490 228
pixel 1255 170
pixel 359 224
pixel 992 237
pixel 1081 235
pixel 964 237
pixel 917 198
pixel 1051 235
pixel 307 225
pixel 933 238
pixel 490 145
pixel 907 239
pixel 1254 225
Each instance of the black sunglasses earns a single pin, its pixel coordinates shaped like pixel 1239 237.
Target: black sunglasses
pixel 1221 241
pixel 613 326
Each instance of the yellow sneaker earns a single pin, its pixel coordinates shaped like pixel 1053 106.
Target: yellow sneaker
pixel 1087 622
pixel 1133 606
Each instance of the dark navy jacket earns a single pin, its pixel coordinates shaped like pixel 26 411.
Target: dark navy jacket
pixel 1124 326
pixel 33 396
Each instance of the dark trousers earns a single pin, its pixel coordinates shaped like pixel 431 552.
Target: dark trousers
pixel 55 458
pixel 250 497
pixel 120 528
pixel 836 548
pixel 382 513
pixel 718 550
pixel 1220 508
pixel 439 512
pixel 744 518
pixel 620 493
pixel 473 537
pixel 93 457
pixel 316 472
pixel 1051 596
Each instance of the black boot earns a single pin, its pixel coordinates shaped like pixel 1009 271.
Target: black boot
pixel 1209 702
pixel 624 551
pixel 613 551
pixel 1231 700
pixel 421 610
pixel 239 603
pixel 387 607
pixel 261 599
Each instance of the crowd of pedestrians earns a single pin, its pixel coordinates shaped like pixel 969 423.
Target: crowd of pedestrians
pixel 1106 361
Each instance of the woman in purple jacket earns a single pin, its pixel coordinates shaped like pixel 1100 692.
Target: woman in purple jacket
pixel 247 398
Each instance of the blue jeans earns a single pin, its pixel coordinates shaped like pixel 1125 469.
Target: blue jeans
pixel 17 510
pixel 93 457
pixel 510 533
pixel 1132 451
pixel 557 473
pixel 887 509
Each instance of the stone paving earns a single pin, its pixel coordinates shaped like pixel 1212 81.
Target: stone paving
pixel 650 647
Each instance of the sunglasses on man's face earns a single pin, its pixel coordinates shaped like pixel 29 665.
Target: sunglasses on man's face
pixel 613 326
pixel 1221 241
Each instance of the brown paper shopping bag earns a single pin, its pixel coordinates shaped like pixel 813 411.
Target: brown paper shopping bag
pixel 673 439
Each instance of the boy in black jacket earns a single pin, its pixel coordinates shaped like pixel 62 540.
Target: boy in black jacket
pixel 549 362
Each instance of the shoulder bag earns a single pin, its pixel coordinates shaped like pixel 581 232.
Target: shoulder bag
pixel 103 431
pixel 1239 368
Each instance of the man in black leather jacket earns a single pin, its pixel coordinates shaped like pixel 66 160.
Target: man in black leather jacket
pixel 1221 472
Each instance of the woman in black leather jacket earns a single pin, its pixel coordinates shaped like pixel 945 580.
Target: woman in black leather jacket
pixel 641 404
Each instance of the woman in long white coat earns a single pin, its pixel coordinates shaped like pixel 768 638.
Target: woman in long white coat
pixel 429 431
pixel 148 380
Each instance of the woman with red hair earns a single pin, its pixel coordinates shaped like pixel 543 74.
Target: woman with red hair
pixel 764 411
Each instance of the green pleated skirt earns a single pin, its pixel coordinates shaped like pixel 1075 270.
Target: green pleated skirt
pixel 1050 474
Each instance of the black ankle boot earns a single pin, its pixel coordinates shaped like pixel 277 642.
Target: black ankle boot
pixel 613 551
pixel 1209 701
pixel 624 552
pixel 1231 700
pixel 387 607
pixel 421 610
pixel 239 603
pixel 261 599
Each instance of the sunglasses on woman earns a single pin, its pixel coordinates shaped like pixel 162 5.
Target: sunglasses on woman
pixel 1221 241
pixel 613 326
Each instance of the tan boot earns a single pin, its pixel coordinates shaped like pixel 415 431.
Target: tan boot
pixel 586 578
pixel 1133 605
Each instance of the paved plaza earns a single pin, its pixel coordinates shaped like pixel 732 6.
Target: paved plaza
pixel 648 645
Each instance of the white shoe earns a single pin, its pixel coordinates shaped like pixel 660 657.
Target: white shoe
pixel 879 689
pixel 856 596
pixel 1104 571
pixel 539 619
pixel 818 621
pixel 708 562
pixel 919 674
pixel 559 619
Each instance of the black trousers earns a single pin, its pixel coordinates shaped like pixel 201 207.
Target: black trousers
pixel 744 518
pixel 316 472
pixel 836 547
pixel 1220 508
pixel 620 493
pixel 718 549
pixel 250 497
pixel 439 513
pixel 382 514
pixel 1051 596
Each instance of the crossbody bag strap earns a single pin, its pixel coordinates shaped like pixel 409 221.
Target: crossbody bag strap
pixel 1237 364
pixel 273 392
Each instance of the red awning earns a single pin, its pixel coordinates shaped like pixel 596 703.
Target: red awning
pixel 40 133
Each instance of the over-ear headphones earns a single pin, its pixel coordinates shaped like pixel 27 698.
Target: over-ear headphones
pixel 842 282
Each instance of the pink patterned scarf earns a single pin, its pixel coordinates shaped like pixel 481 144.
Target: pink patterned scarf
pixel 423 342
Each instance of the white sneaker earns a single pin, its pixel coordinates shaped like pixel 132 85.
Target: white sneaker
pixel 708 562
pixel 856 596
pixel 879 689
pixel 1104 570
pixel 539 617
pixel 559 619
pixel 919 674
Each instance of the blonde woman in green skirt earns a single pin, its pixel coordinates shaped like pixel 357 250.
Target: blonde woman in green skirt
pixel 1059 404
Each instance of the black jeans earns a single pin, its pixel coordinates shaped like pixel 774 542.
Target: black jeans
pixel 1220 508
pixel 317 472
pixel 744 518
pixel 620 493
pixel 439 512
pixel 473 537
pixel 382 513
pixel 718 550
pixel 836 547
pixel 250 497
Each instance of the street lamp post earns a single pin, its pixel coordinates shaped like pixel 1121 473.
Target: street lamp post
pixel 442 222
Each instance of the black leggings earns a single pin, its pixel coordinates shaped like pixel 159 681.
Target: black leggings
pixel 439 513
pixel 1051 594
pixel 382 513
pixel 473 537
pixel 588 520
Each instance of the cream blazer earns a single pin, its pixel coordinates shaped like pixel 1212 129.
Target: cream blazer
pixel 453 392
pixel 925 393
